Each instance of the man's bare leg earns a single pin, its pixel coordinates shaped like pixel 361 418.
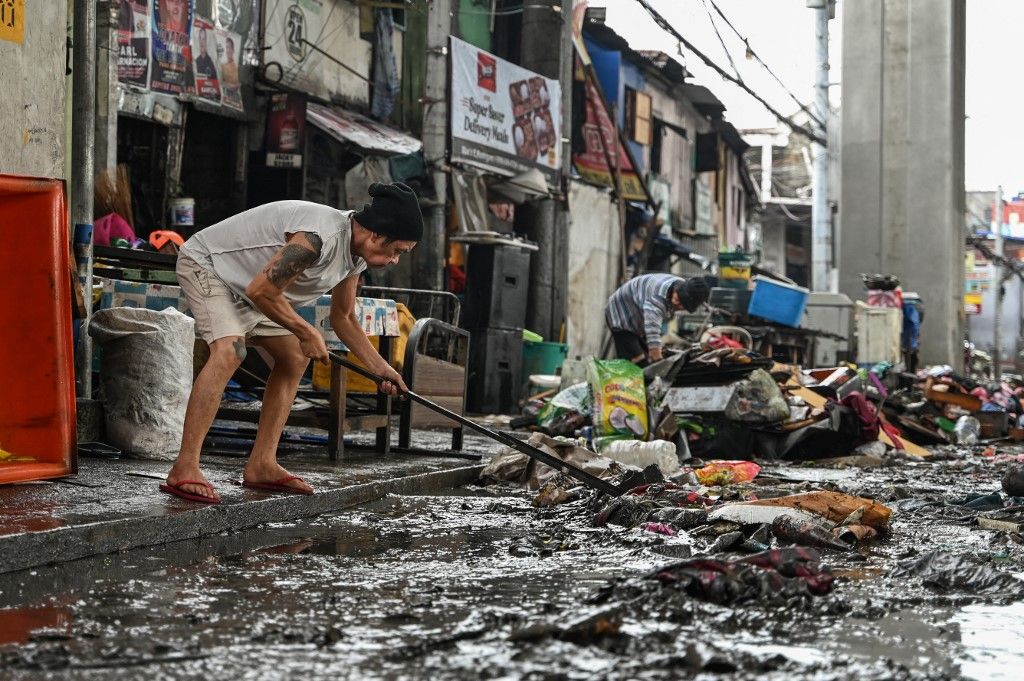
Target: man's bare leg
pixel 289 366
pixel 226 354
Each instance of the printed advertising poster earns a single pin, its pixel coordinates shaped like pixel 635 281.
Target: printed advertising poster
pixel 204 52
pixel 603 146
pixel 171 69
pixel 133 43
pixel 286 123
pixel 504 118
pixel 227 67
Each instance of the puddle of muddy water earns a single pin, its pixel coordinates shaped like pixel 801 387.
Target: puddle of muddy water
pixel 457 586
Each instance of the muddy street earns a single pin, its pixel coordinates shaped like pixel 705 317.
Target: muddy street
pixel 479 583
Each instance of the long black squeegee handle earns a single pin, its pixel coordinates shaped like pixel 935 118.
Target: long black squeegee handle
pixel 588 479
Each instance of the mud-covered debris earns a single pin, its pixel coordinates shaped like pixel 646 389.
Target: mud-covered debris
pixel 778 573
pixel 854 534
pixel 803 533
pixel 946 572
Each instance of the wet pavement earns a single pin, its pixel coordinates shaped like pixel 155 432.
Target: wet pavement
pixel 479 584
pixel 116 504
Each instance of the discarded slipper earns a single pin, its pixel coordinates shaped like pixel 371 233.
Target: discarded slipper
pixel 278 485
pixel 177 491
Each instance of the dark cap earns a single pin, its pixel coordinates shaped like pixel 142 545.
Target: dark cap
pixel 393 212
pixel 692 292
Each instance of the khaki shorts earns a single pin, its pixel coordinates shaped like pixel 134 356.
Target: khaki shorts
pixel 218 311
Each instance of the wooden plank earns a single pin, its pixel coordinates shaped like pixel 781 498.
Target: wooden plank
pixel 968 402
pixel 437 377
pixel 421 417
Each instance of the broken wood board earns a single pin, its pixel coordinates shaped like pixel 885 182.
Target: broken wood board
pixel 998 525
pixel 833 506
pixel 968 402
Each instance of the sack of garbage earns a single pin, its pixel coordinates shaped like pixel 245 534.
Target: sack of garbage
pixel 146 377
pixel 758 400
pixel 619 398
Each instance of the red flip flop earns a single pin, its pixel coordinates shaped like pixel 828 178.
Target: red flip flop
pixel 278 485
pixel 177 491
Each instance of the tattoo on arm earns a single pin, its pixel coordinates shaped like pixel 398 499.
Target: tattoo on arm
pixel 292 260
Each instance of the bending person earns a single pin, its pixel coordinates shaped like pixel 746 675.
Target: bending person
pixel 244 277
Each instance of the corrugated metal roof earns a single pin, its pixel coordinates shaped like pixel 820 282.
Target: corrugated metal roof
pixel 367 134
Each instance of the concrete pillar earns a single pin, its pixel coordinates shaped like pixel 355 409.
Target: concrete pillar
pixel 106 85
pixel 902 157
pixel 547 49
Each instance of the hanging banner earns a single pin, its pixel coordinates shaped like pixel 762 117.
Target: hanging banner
pixel 601 145
pixel 227 66
pixel 286 123
pixel 503 117
pixel 171 68
pixel 204 49
pixel 133 34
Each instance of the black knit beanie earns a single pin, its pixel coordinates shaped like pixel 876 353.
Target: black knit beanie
pixel 393 212
pixel 692 292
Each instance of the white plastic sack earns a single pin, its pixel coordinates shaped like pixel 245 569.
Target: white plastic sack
pixel 146 377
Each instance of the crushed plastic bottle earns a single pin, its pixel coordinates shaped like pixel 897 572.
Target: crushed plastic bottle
pixel 966 431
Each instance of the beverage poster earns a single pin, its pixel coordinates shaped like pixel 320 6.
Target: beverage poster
pixel 133 34
pixel 204 66
pixel 171 68
pixel 286 123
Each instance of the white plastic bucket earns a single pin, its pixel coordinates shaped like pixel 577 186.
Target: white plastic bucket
pixel 183 212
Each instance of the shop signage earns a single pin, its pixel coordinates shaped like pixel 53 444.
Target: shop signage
pixel 12 20
pixel 133 34
pixel 972 303
pixel 504 118
pixel 286 122
pixel 599 135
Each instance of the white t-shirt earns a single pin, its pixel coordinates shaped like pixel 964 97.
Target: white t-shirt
pixel 238 248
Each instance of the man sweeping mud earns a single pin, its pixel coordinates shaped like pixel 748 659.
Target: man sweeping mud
pixel 244 277
pixel 638 308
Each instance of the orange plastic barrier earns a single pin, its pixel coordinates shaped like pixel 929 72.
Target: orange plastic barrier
pixel 37 378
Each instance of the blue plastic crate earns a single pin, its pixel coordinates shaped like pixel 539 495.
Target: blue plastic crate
pixel 778 302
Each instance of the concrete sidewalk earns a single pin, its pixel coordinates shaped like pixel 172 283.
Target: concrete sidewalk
pixel 115 504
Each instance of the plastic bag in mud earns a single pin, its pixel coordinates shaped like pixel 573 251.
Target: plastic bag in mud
pixel 620 398
pixel 567 412
pixel 146 377
pixel 946 572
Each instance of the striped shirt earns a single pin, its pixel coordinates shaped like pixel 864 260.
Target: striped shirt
pixel 641 306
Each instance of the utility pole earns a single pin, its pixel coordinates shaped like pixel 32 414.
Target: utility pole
pixel 429 257
pixel 821 211
pixel 83 114
pixel 997 335
pixel 546 48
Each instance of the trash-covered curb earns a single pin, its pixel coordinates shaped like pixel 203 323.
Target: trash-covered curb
pixel 32 549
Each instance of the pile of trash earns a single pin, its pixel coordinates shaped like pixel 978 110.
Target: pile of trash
pixel 943 407
pixel 726 403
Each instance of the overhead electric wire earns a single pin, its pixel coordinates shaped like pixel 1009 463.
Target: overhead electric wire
pixel 668 27
pixel 755 55
pixel 721 40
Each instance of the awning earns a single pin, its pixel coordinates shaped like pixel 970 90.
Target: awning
pixel 349 127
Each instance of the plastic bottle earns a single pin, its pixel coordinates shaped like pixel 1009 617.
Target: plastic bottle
pixel 643 454
pixel 967 430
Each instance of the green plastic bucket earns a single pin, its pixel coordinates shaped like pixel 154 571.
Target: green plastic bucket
pixel 734 269
pixel 543 358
